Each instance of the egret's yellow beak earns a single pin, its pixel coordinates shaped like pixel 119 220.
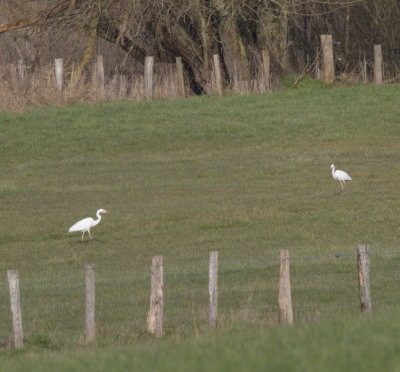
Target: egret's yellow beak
pixel 107 211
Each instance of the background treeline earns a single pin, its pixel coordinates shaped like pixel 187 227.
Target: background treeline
pixel 126 31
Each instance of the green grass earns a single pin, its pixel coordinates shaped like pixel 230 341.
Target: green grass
pixel 362 344
pixel 302 82
pixel 244 175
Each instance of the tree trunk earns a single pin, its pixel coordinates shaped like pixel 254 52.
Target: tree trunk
pixel 272 34
pixel 234 53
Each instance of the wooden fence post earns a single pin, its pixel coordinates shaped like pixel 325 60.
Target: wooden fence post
pixel 13 283
pixel 265 68
pixel 364 71
pixel 179 77
pixel 213 288
pixel 217 74
pixel 363 278
pixel 148 77
pixel 285 296
pixel 235 77
pixel 123 86
pixel 90 324
pixel 378 74
pixel 318 74
pixel 59 70
pixel 155 316
pixel 327 54
pixel 99 79
pixel 21 69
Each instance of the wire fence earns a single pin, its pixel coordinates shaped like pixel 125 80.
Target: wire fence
pixel 326 286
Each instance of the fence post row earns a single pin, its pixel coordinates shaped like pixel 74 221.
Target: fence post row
pixel 13 283
pixel 155 316
pixel 285 296
pixel 213 288
pixel 90 323
pixel 363 278
pixel 328 71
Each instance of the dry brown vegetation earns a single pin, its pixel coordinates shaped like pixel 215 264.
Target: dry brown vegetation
pixel 126 31
pixel 36 88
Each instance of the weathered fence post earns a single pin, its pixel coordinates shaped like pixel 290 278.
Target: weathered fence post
pixel 179 77
pixel 13 283
pixel 99 79
pixel 363 278
pixel 285 296
pixel 148 77
pixel 318 74
pixel 90 323
pixel 327 55
pixel 364 71
pixel 155 316
pixel 378 74
pixel 123 86
pixel 235 77
pixel 112 86
pixel 217 74
pixel 265 68
pixel 21 69
pixel 213 288
pixel 59 70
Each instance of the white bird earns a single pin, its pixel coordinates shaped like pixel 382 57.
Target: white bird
pixel 87 223
pixel 340 175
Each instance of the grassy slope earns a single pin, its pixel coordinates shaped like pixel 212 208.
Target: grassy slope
pixel 362 344
pixel 189 167
pixel 246 176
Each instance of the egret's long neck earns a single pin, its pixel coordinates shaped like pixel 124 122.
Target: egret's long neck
pixel 333 171
pixel 98 218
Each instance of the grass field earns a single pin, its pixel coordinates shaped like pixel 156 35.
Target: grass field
pixel 365 344
pixel 244 175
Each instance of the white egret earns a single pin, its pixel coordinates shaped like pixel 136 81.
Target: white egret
pixel 87 223
pixel 340 175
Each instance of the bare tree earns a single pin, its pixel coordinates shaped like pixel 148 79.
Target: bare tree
pixel 196 29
